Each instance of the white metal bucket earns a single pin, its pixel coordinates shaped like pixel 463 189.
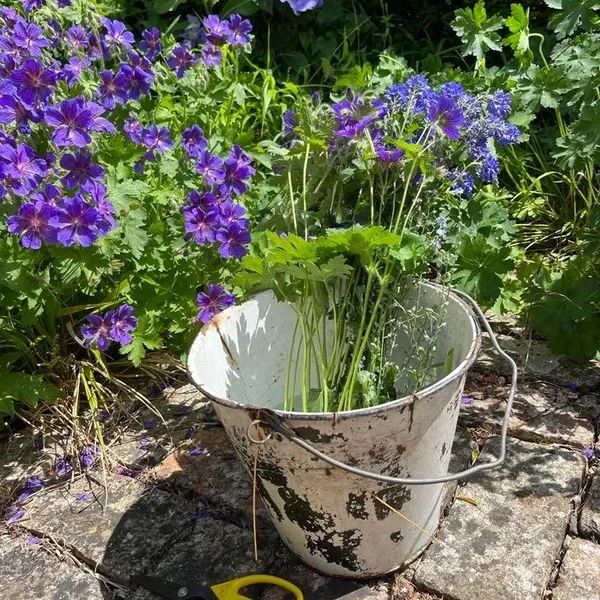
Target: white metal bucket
pixel 334 483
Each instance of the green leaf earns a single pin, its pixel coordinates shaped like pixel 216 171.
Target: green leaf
pixel 575 15
pixel 145 337
pixel 477 31
pixel 357 78
pixel 480 268
pixel 518 40
pixel 25 389
pixel 164 6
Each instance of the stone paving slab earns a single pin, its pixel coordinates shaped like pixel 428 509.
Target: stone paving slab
pixel 504 547
pixel 150 437
pixel 579 576
pixel 120 533
pixel 214 552
pixel 209 468
pixel 589 522
pixel 534 358
pixel 541 411
pixel 28 572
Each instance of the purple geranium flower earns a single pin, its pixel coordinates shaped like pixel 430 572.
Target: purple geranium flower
pixel 31 4
pixel 217 31
pixel 77 37
pixel 138 80
pixel 21 168
pixel 13 110
pixel 300 6
pixel 88 456
pixel 203 200
pixel 14 514
pixel 213 301
pixel 113 89
pixel 202 224
pixel 63 466
pixel 234 238
pixel 134 130
pixel 180 60
pixel 80 169
pixel 193 140
pixel 448 116
pixel 76 222
pixel 122 323
pixel 231 212
pixel 239 30
pixel 96 332
pixel 156 140
pixel 74 68
pixel 150 44
pixel 84 496
pixel 49 194
pixel 33 81
pixel 106 211
pixel 237 171
pixel 32 224
pixel 32 485
pixel 117 35
pixel 28 38
pixel 74 119
pixel 211 168
pixel 211 56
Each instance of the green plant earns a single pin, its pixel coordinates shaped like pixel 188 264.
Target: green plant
pixel 555 171
pixel 365 187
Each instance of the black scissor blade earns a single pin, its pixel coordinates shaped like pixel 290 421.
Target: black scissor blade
pixel 173 591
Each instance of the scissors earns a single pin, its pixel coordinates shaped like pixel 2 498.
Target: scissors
pixel 229 590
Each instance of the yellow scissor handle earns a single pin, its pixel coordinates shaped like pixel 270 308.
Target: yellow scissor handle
pixel 230 590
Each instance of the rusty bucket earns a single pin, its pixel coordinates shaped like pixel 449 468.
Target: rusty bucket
pixel 356 493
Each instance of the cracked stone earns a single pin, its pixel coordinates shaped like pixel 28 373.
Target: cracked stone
pixel 20 459
pixel 215 552
pixel 148 438
pixel 535 358
pixel 504 547
pixel 30 572
pixel 215 474
pixel 579 576
pixel 589 523
pixel 120 532
pixel 541 411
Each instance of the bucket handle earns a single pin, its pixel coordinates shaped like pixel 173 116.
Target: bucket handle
pixel 272 420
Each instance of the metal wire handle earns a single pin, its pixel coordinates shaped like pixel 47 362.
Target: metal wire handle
pixel 271 419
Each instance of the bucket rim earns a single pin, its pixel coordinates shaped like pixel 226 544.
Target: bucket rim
pixel 457 372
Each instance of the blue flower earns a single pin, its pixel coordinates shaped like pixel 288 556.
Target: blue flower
pixel 239 31
pixel 32 224
pixel 117 35
pixel 74 119
pixel 211 302
pixel 445 113
pixel 80 169
pixel 211 168
pixel 76 223
pixel 300 6
pixel 180 60
pixel 233 240
pixel 217 31
pixel 193 140
pixel 122 323
pixel 33 81
pixel 211 56
pixel 150 44
pixel 201 223
pixel 113 88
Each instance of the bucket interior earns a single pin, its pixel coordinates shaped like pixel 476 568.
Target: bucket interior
pixel 244 354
